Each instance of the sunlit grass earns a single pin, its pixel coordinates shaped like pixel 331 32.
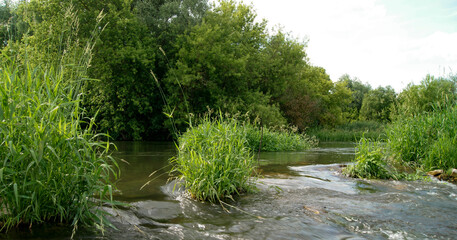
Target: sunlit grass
pixel 215 158
pixel 370 162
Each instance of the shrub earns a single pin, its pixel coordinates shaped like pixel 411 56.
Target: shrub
pixel 431 94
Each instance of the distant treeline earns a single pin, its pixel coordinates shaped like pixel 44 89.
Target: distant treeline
pixel 199 56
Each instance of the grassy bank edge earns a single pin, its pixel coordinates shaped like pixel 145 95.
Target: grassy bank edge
pixel 413 146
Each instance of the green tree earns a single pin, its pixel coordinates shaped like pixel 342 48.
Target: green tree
pixel 339 98
pixel 378 104
pixel 314 100
pixel 303 102
pixel 218 66
pixel 359 90
pixel 133 44
pixel 431 93
pixel 125 95
pixel 167 19
pixel 281 64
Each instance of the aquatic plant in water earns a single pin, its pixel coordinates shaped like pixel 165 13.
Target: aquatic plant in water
pixel 276 140
pixel 213 160
pixel 369 162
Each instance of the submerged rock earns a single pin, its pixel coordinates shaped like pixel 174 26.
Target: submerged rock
pixel 157 210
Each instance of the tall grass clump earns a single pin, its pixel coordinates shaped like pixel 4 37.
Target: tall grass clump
pixel 369 162
pixel 51 170
pixel 213 161
pixel 275 140
pixel 352 132
pixel 426 141
pixel 420 143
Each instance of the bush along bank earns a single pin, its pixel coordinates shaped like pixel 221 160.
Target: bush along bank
pixel 419 144
pixel 215 159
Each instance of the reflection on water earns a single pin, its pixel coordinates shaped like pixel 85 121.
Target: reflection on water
pixel 301 195
pixel 138 161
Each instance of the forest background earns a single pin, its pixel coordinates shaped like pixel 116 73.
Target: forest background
pixel 201 57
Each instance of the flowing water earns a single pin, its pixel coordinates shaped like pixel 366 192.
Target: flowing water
pixel 301 195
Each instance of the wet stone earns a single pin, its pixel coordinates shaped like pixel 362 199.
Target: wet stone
pixel 157 210
pixel 435 173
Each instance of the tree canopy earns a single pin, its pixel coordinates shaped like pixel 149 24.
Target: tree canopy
pixel 197 57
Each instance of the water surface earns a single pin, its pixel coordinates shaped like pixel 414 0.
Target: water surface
pixel 301 195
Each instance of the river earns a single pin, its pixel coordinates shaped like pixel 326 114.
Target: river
pixel 301 195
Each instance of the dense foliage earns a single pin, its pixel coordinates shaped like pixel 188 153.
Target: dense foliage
pixel 351 131
pixel 377 104
pixel 431 94
pixel 359 91
pixel 219 66
pixel 370 162
pixel 219 56
pixel 427 140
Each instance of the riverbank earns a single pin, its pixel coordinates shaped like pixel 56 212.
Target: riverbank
pixel 350 132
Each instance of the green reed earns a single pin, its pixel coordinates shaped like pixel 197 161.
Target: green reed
pixel 369 162
pixel 351 132
pixel 51 170
pixel 213 160
pixel 275 140
pixel 427 141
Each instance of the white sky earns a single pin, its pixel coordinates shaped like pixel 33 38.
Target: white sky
pixel 382 42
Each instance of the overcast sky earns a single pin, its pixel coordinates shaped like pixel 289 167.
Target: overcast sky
pixel 382 42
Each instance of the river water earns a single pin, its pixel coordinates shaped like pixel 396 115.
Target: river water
pixel 301 195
